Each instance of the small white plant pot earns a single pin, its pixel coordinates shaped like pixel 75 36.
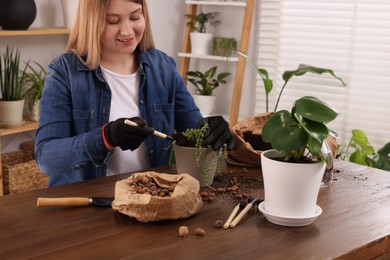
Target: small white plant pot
pixel 69 9
pixel 11 113
pixel 201 43
pixel 205 103
pixel 186 163
pixel 290 189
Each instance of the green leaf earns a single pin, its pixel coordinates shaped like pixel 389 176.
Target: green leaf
pixel 315 109
pixel 316 130
pixel 303 68
pixel 359 137
pixel 382 159
pixel 278 121
pixel 289 139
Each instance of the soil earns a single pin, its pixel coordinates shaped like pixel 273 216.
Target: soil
pixel 233 186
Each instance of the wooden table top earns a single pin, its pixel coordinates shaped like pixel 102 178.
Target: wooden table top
pixel 354 224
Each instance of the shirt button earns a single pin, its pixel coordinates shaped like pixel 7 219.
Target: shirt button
pixel 142 101
pixel 151 151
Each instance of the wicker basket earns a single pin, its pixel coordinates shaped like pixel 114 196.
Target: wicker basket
pixel 21 173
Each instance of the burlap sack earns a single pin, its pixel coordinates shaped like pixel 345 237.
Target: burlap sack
pixel 243 153
pixel 184 202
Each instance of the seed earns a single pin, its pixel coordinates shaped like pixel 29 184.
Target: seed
pixel 183 231
pixel 200 232
pixel 218 223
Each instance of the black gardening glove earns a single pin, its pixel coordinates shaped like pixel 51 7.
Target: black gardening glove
pixel 218 133
pixel 117 133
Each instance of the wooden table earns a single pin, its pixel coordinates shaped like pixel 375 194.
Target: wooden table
pixel 355 224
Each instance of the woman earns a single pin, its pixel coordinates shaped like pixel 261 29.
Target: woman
pixel 111 72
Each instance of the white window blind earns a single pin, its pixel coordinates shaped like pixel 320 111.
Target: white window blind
pixel 351 37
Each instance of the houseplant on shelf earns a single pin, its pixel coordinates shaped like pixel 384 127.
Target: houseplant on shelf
pixel 12 92
pixel 224 46
pixel 200 39
pixel 36 79
pixel 205 83
pixel 193 157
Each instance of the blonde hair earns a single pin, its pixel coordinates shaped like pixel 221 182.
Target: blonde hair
pixel 85 36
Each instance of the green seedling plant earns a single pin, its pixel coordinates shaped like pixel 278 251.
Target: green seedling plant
pixel 205 83
pixel 364 153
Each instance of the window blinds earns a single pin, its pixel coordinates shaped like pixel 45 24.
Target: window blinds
pixel 351 37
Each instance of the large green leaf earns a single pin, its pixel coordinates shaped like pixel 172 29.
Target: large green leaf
pixel 303 68
pixel 316 130
pixel 382 159
pixel 279 120
pixel 314 109
pixel 289 139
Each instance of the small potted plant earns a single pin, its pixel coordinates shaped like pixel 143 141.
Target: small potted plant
pixel 200 39
pixel 12 80
pixel 205 83
pixel 193 157
pixel 224 46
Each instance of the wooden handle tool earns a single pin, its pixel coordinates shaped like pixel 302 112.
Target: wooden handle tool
pixel 63 202
pixel 232 215
pixel 75 202
pixel 242 213
pixel 156 133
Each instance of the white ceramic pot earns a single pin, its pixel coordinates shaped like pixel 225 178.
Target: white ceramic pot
pixel 205 103
pixel 201 43
pixel 69 10
pixel 11 113
pixel 186 163
pixel 290 189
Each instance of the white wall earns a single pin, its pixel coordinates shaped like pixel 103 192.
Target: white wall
pixel 168 22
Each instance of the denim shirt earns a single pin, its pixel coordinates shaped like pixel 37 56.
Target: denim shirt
pixel 76 104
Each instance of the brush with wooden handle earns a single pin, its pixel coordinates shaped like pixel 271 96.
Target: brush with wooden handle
pixel 156 133
pixel 243 213
pixel 232 215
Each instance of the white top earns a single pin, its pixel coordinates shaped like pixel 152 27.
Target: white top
pixel 124 103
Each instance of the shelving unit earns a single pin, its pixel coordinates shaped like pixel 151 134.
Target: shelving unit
pixel 28 125
pixel 186 55
pixel 36 31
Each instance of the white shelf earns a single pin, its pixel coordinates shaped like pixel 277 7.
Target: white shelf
pixel 208 57
pixel 237 4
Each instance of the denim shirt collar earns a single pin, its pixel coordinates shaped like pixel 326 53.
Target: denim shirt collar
pixel 141 57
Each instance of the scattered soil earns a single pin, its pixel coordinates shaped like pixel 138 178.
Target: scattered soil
pixel 233 186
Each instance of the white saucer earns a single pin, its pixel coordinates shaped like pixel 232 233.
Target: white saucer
pixel 289 221
pixel 11 125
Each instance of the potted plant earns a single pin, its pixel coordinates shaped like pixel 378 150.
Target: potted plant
pixel 193 157
pixel 205 83
pixel 223 46
pixel 200 39
pixel 11 82
pixel 293 169
pixel 36 79
pixel 268 86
